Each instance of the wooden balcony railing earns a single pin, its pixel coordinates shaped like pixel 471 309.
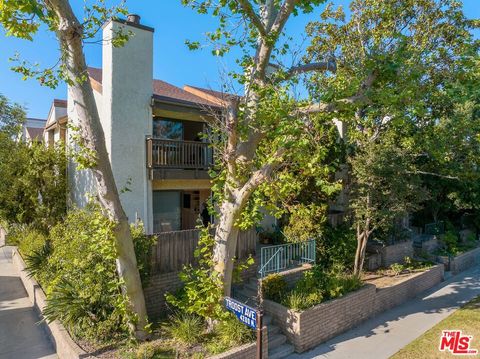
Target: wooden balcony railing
pixel 178 154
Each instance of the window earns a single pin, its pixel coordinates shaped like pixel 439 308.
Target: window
pixel 167 129
pixel 166 211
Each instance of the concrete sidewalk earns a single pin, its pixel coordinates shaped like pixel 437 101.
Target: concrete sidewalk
pixel 20 335
pixel 385 334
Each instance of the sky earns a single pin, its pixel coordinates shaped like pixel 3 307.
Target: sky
pixel 173 62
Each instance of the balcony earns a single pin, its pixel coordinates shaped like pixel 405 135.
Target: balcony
pixel 166 157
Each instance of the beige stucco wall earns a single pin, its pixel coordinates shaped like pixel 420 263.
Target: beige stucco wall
pixel 126 118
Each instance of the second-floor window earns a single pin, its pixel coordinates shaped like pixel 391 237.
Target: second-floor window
pixel 167 129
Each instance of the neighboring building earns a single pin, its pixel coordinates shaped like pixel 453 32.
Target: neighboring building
pixel 32 130
pixel 56 126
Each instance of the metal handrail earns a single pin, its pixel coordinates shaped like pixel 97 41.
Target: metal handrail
pixel 262 269
pixel 274 259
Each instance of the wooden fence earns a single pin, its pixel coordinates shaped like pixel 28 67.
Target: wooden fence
pixel 174 250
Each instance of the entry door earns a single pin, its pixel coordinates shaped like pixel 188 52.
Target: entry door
pixel 167 211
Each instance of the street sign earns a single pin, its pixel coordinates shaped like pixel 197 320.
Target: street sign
pixel 244 313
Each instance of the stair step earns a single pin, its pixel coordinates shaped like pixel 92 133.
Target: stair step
pixel 281 352
pixel 272 330
pixel 267 320
pixel 251 286
pixel 248 292
pixel 276 340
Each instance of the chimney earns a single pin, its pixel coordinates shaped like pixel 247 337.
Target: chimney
pixel 133 19
pixel 127 89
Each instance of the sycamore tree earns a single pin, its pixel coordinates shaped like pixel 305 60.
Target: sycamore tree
pixel 264 138
pixel 23 19
pixel 391 57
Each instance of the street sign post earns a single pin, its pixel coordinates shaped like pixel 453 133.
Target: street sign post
pixel 249 316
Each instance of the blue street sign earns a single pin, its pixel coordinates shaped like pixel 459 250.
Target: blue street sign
pixel 244 313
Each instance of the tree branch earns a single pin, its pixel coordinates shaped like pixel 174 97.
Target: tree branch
pixel 261 174
pixel 254 18
pixel 360 96
pixel 432 174
pixel 329 65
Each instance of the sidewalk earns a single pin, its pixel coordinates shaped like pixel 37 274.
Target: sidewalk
pixel 20 335
pixel 385 334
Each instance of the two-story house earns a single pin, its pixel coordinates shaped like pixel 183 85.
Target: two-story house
pixel 152 130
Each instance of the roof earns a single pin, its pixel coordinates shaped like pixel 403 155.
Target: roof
pixel 161 90
pixel 34 133
pixel 218 97
pixel 60 103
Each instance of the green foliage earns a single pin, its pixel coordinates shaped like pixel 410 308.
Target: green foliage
pixel 33 184
pixel 229 333
pixel 150 350
pixel 336 248
pixel 202 291
pixel 143 245
pixel 274 286
pixel 23 18
pixel 80 280
pixel 451 245
pixel 185 329
pixel 298 300
pixel 76 266
pixel 317 286
pixel 306 222
pixel 397 268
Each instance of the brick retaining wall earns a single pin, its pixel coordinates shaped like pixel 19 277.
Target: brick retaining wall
pixel 389 297
pixel 309 328
pixel 394 253
pixel 465 260
pixel 247 351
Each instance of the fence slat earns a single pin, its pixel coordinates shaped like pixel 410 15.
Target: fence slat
pixel 173 250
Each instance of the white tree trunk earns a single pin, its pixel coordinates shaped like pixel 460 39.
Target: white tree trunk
pixel 70 33
pixel 226 237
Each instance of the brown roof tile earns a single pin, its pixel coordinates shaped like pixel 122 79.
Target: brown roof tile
pixel 163 90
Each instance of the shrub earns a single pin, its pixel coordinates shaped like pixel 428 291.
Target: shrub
pixel 273 287
pixel 232 333
pixel 306 222
pixel 397 268
pixel 28 239
pixel 81 283
pixel 152 350
pixel 202 291
pixel 317 286
pixel 298 300
pixel 336 248
pixel 183 328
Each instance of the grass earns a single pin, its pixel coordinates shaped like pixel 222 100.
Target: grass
pixel 466 319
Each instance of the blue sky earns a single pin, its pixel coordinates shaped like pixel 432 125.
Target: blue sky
pixel 173 62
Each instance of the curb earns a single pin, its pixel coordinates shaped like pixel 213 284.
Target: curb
pixel 59 336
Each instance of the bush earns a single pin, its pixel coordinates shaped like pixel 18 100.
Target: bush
pixel 306 222
pixel 297 300
pixel 185 329
pixel 317 286
pixel 273 287
pixel 202 292
pixel 77 270
pixel 336 248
